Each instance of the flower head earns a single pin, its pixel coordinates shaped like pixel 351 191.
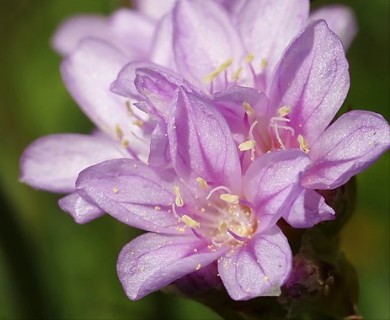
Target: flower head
pixel 201 209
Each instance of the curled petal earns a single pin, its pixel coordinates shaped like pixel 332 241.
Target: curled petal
pixel 81 210
pixel 259 268
pixel 312 79
pixel 152 261
pixel 271 184
pixel 131 192
pixel 201 144
pixel 308 209
pixel 347 147
pixel 53 162
pixel 341 20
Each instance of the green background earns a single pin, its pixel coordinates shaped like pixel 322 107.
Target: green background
pixel 51 267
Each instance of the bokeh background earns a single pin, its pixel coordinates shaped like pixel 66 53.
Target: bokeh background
pixel 51 267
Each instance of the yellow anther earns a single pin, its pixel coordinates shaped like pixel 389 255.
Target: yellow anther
pixel 125 143
pixel 248 108
pixel 115 190
pixel 198 266
pixel 249 58
pixel 210 77
pixel 179 200
pixel 284 111
pixel 263 63
pixel 247 145
pixel 303 144
pixel 265 278
pixel 190 222
pixel 230 198
pixel 157 208
pixel 119 132
pixel 202 183
pixel 236 74
pixel 138 123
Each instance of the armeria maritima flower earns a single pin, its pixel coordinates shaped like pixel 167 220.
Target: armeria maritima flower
pixel 201 209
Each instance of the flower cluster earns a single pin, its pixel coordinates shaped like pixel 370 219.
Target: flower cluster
pixel 215 120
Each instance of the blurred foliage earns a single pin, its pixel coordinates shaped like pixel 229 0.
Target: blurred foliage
pixel 51 267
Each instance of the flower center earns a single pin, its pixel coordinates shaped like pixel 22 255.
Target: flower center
pixel 218 216
pixel 281 134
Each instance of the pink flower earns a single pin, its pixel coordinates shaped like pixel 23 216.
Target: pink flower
pixel 201 209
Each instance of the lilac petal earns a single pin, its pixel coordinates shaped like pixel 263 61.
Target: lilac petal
pixel 267 27
pixel 232 6
pixel 309 209
pixel 201 143
pixel 312 79
pixel 131 192
pixel 161 52
pixel 81 210
pixel 117 29
pixel 347 147
pixel 88 73
pixel 72 30
pixel 53 162
pixel 204 39
pixel 259 268
pixel 159 147
pixel 341 20
pixel 154 9
pixel 271 184
pixel 152 261
pixel 131 32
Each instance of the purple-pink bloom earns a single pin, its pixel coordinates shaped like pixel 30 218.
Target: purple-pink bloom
pixel 309 86
pixel 96 48
pixel 201 209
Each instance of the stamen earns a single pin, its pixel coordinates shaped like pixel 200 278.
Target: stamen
pixel 247 145
pixel 190 222
pixel 125 143
pixel 115 190
pixel 248 108
pixel 253 125
pixel 236 236
pixel 284 111
pixel 263 63
pixel 179 200
pixel 303 144
pixel 216 189
pixel 138 123
pixel 236 74
pixel 198 266
pixel 230 198
pixel 202 183
pixel 210 77
pixel 249 58
pixel 119 131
